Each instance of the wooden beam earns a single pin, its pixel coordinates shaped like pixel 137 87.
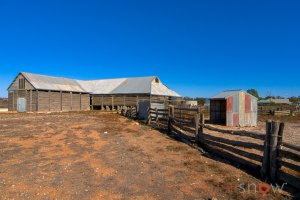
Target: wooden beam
pixel 13 102
pixel 197 119
pixel 71 94
pixel 37 100
pixel 17 100
pixel 273 150
pixel 49 105
pixel 30 108
pixel 61 101
pixel 80 101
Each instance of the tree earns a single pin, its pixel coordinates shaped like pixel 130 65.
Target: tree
pixel 294 100
pixel 253 92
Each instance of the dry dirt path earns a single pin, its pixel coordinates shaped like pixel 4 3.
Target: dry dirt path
pixel 93 155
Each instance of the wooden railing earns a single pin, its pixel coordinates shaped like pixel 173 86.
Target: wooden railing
pixel 266 153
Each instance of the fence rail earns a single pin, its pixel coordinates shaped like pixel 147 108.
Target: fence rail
pixel 267 153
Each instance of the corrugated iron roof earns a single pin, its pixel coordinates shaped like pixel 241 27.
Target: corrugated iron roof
pixel 42 82
pixel 101 86
pixel 139 85
pixel 229 93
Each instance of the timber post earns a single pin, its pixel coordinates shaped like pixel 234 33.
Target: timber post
pixel 273 150
pixel 280 142
pixel 49 101
pixel 170 118
pixel 156 115
pixel 197 118
pixel 265 169
pixel 202 122
pixel 61 101
pixel 149 116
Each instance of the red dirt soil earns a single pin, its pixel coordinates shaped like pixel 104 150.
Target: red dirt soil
pixel 94 155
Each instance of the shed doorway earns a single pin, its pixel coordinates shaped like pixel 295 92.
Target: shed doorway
pixel 218 111
pixel 21 104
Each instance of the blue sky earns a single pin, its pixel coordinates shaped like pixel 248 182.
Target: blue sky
pixel 197 48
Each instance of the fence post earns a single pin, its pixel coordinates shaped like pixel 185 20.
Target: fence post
pixel 265 168
pixel 125 111
pixel 279 143
pixel 149 116
pixel 170 118
pixel 201 122
pixel 273 150
pixel 197 118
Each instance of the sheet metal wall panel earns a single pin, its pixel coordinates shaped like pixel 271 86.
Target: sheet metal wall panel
pixel 241 109
pixel 235 103
pixel 253 119
pixel 247 103
pixel 235 119
pixel 229 104
pixel 253 111
pixel 247 119
pixel 229 119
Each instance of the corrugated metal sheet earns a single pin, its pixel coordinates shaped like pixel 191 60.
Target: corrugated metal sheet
pixel 101 86
pixel 228 93
pixel 41 82
pixel 140 85
pixel 161 89
pixel 247 103
pixel 229 104
pixel 236 103
pixel 241 109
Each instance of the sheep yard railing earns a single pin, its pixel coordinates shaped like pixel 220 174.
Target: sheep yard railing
pixel 265 153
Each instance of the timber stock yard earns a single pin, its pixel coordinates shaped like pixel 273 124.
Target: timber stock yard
pixel 154 100
pixel 135 138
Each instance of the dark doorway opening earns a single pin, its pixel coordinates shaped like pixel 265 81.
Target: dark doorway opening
pixel 218 111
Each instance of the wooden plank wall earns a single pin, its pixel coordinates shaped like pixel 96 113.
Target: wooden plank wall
pixel 55 98
pixel 15 85
pixel 76 101
pixel 28 94
pixel 66 101
pixel 43 101
pixel 49 101
pixel 118 100
pixel 11 101
pixel 85 102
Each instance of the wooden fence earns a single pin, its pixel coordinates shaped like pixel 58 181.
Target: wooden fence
pixel 128 111
pixel 264 153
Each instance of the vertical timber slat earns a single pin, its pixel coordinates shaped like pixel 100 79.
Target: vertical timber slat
pixel 61 101
pixel 49 105
pixel 30 105
pixel 71 100
pixel 280 141
pixel 37 101
pixel 13 100
pixel 265 169
pixel 197 119
pixel 273 150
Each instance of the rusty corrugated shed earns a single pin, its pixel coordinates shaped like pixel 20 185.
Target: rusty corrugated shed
pixel 241 108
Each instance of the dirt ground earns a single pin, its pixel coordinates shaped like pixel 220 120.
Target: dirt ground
pixel 94 155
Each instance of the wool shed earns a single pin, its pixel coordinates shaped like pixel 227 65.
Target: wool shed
pixel 39 93
pixel 233 108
